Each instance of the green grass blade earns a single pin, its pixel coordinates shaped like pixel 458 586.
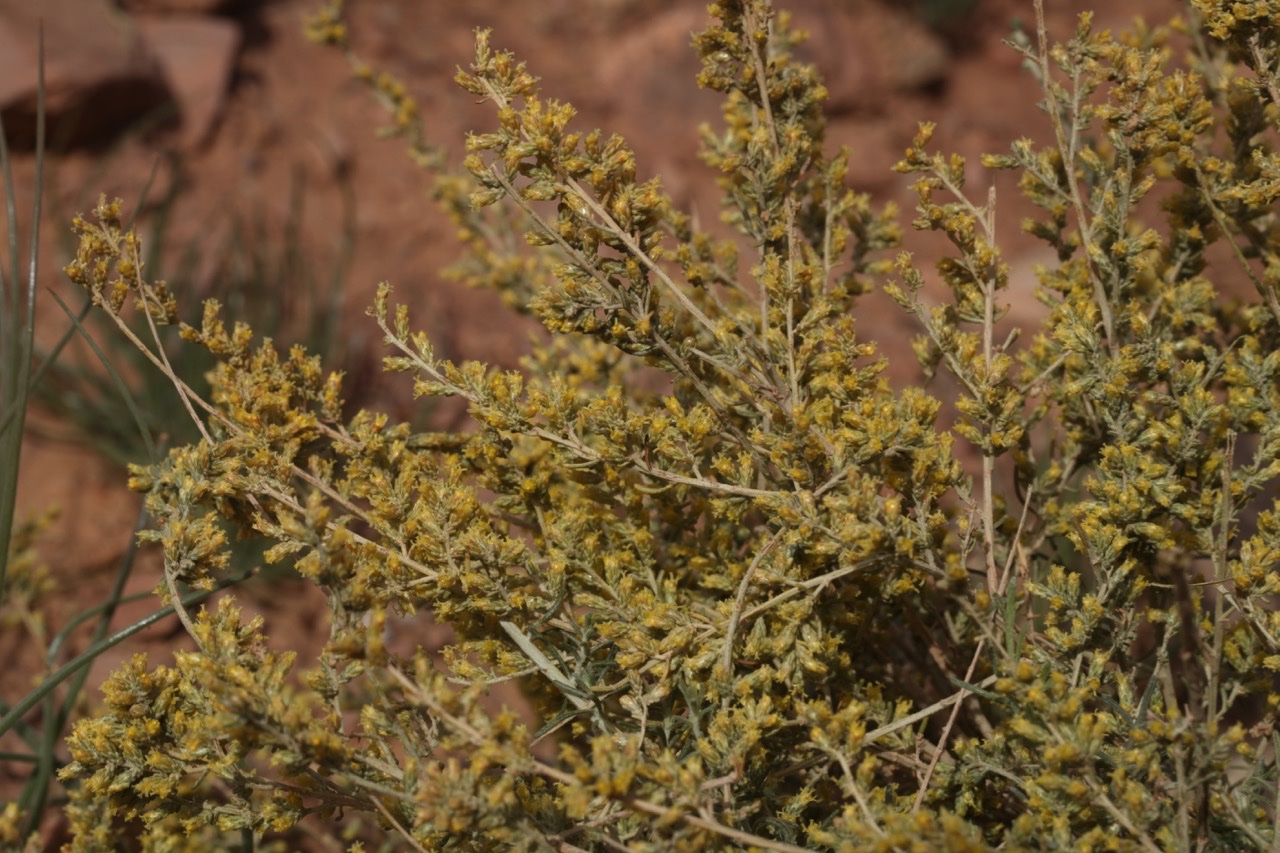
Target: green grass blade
pixel 47 362
pixel 121 386
pixel 36 790
pixel 17 343
pixel 90 654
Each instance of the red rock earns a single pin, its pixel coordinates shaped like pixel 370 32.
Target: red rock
pixel 182 7
pixel 99 79
pixel 868 52
pixel 197 55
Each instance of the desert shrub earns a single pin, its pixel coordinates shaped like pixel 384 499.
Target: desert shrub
pixel 764 606
pixel 266 279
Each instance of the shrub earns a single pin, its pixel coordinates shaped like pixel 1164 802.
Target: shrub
pixel 267 279
pixel 763 607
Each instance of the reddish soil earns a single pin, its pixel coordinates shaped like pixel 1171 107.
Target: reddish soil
pixel 627 66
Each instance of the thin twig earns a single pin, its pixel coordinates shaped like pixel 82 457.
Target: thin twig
pixel 726 657
pixel 946 731
pixel 404 833
pixel 1067 148
pixel 912 719
pixel 545 770
pixel 546 666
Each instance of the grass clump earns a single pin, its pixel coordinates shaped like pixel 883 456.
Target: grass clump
pixel 763 607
